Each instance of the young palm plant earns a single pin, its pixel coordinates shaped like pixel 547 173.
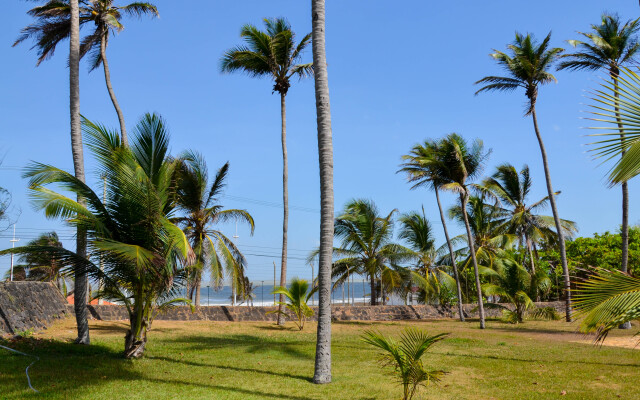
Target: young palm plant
pixel 514 284
pixel 143 253
pixel 53 25
pixel 200 204
pixel 405 357
pixel 528 67
pixel 273 53
pixel 463 162
pixel 425 168
pixel 609 46
pixel 297 295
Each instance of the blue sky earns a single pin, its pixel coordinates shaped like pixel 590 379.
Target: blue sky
pixel 398 73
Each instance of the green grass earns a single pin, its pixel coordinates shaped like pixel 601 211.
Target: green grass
pixel 206 360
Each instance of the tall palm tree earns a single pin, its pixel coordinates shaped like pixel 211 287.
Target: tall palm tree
pixel 463 162
pixel 609 46
pixel 424 167
pixel 527 68
pixel 212 248
pixel 273 53
pixel 366 245
pixel 322 367
pixel 53 25
pixel 515 215
pixel 80 279
pixel 142 251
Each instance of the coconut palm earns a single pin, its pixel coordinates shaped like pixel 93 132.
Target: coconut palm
pixel 43 266
pixel 609 46
pixel 406 357
pixel 322 368
pixel 462 163
pixel 273 53
pixel 432 278
pixel 607 300
pixel 514 213
pixel 366 247
pixel 142 252
pixel 199 200
pixel 53 25
pixel 424 167
pixel 297 295
pixel 528 67
pixel 514 284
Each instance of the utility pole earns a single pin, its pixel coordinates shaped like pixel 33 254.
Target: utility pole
pixel 13 245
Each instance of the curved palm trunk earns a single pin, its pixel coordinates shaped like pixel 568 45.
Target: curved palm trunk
pixel 285 203
pixel 472 249
pixel 81 282
pixel 556 218
pixel 453 259
pixel 112 94
pixel 624 229
pixel 533 265
pixel 322 372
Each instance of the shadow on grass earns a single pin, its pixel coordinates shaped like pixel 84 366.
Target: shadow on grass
pixel 539 361
pixel 63 367
pixel 254 344
pixel 232 368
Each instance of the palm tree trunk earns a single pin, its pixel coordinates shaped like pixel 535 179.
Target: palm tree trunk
pixel 285 202
pixel 453 259
pixel 322 373
pixel 374 295
pixel 198 285
pixel 81 282
pixel 472 249
pixel 624 229
pixel 112 94
pixel 556 218
pixel 533 265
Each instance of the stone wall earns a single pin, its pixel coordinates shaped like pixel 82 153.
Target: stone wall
pixel 338 313
pixel 29 306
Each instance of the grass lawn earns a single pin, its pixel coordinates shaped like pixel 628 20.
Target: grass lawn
pixel 214 360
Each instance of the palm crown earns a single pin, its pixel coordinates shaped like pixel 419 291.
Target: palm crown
pixel 53 25
pixel 273 52
pixel 609 45
pixel 528 67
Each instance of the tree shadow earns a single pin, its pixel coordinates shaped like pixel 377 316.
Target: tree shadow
pixel 229 367
pixel 254 344
pixel 537 361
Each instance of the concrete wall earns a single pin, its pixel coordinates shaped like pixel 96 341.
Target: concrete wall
pixel 339 313
pixel 29 306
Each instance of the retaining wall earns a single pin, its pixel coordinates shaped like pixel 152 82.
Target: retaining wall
pixel 29 306
pixel 338 313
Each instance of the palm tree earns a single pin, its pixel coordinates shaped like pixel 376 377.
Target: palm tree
pixel 406 357
pixel 273 53
pixel 43 266
pixel 528 67
pixel 322 368
pixel 463 162
pixel 514 284
pixel 297 295
pixel 366 246
pixel 430 277
pixel 607 300
pixel 516 215
pixel 142 251
pixel 212 248
pixel 609 46
pixel 52 26
pixel 424 167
